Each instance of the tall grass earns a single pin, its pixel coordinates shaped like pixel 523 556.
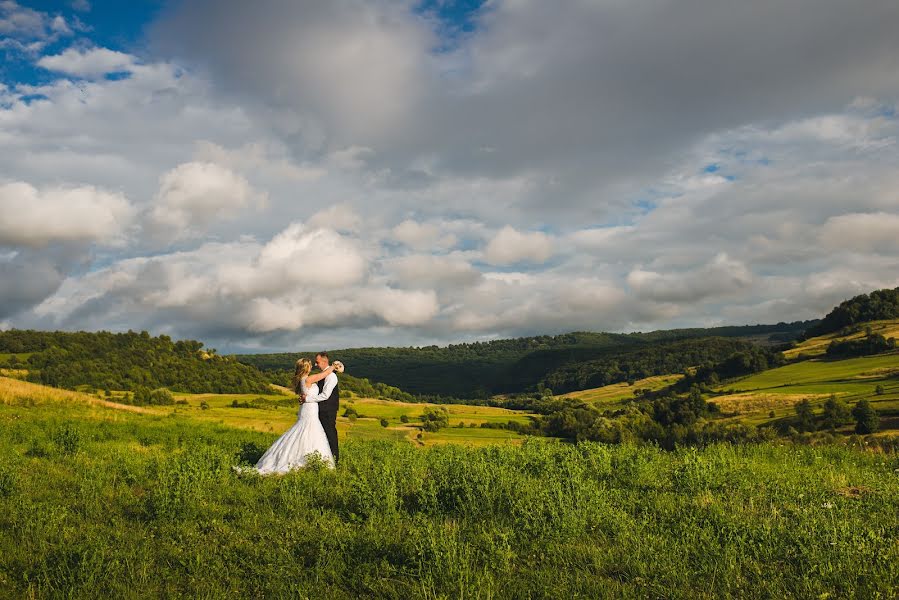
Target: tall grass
pixel 137 506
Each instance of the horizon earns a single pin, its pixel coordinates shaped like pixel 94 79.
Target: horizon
pixel 351 174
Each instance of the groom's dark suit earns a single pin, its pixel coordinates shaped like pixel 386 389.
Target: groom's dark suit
pixel 327 414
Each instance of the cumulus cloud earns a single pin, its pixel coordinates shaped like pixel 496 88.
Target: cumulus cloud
pixel 27 30
pixel 510 246
pixel 429 271
pixel 35 217
pixel 862 232
pixel 722 275
pixel 300 278
pixel 689 195
pixel 194 194
pixel 422 236
pixel 94 62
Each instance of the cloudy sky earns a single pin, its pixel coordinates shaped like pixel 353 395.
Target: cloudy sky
pixel 284 174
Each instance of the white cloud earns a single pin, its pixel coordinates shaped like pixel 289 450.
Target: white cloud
pixel 722 275
pixel 429 271
pixel 94 62
pixel 510 246
pixel 35 217
pixel 194 194
pixel 421 236
pixel 862 232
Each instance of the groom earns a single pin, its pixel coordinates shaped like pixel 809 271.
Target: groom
pixel 327 408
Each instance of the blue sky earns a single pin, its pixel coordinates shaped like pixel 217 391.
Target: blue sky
pixel 272 174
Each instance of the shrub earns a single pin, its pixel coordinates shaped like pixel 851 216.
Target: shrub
pixel 404 418
pixel 250 453
pixel 836 412
pixel 67 439
pixel 866 418
pixel 805 420
pixel 435 419
pixel 384 423
pixel 204 405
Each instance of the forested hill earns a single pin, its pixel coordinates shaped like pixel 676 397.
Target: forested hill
pixel 126 361
pixel 480 369
pixel 876 306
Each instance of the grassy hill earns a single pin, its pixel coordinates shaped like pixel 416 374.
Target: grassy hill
pixel 478 370
pixel 768 398
pixel 99 501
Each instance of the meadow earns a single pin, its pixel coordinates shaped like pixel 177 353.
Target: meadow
pixel 97 500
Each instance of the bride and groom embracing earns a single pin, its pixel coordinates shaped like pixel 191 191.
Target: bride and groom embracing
pixel 316 428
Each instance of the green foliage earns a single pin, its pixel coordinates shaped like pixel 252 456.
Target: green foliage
pixel 836 412
pixel 404 418
pixel 432 373
pixel 68 439
pixel 384 422
pixel 873 343
pixel 169 518
pixel 805 418
pixel 435 419
pixel 878 305
pixel 866 418
pixel 126 361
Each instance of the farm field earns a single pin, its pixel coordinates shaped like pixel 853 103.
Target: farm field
pixel 817 346
pixel 610 395
pixel 99 501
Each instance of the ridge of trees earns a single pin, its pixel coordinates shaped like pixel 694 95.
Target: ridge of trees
pixel 877 306
pixel 129 361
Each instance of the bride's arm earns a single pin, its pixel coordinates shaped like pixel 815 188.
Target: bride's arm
pixel 310 379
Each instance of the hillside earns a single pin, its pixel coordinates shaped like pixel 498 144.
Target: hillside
pixel 877 306
pixel 104 503
pixel 481 369
pixel 768 398
pixel 125 361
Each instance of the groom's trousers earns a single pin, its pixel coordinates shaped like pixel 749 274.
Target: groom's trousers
pixel 329 423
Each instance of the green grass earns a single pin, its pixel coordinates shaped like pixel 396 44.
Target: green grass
pixel 609 396
pixel 103 503
pixel 21 356
pixel 817 346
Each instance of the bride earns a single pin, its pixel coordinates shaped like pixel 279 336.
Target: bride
pixel 307 436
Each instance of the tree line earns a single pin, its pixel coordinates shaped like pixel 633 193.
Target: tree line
pixel 129 361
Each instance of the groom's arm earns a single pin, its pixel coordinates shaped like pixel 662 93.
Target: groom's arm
pixel 330 384
pixel 316 397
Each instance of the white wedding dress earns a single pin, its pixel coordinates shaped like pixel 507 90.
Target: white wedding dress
pixel 307 436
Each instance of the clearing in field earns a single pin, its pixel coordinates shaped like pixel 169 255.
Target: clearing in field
pixel 609 395
pixel 817 346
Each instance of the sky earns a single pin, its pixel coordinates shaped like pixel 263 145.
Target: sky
pixel 291 174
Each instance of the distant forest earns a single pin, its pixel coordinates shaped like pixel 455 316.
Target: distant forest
pixel 561 362
pixel 877 306
pixel 129 361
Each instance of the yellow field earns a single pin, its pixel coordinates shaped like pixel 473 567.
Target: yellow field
pixel 615 393
pixel 283 413
pixel 817 346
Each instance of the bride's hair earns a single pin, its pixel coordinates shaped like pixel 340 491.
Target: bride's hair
pixel 303 368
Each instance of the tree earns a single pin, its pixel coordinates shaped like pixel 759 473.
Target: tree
pixel 805 418
pixel 836 412
pixel 384 423
pixel 404 418
pixel 866 418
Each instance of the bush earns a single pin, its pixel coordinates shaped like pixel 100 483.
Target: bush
pixel 805 420
pixel 836 412
pixel 67 439
pixel 384 423
pixel 204 405
pixel 250 453
pixel 404 418
pixel 866 418
pixel 435 419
